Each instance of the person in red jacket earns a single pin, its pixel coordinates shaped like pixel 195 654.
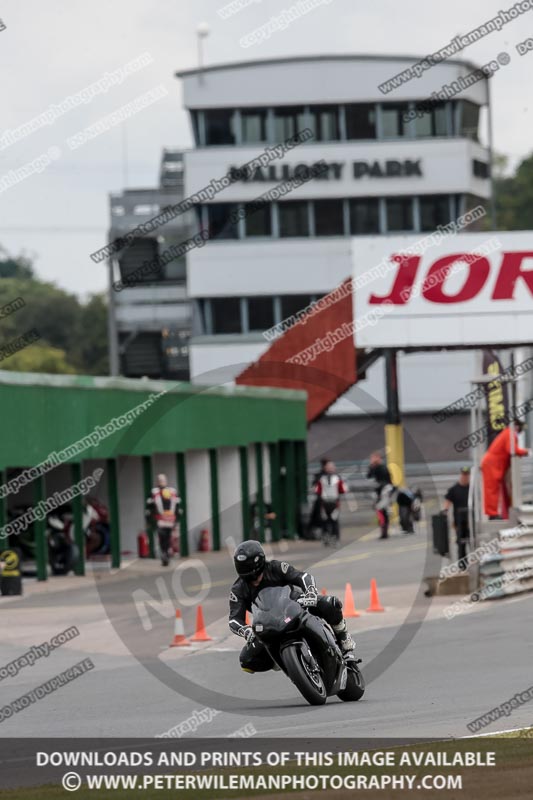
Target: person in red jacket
pixel 495 464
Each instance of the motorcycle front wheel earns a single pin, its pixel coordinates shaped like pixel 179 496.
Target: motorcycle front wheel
pixel 307 680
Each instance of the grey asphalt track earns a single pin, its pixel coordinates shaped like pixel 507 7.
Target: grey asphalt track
pixel 427 676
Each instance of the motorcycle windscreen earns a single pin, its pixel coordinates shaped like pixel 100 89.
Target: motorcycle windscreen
pixel 274 611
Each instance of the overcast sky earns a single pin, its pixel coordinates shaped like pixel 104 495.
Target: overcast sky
pixel 51 49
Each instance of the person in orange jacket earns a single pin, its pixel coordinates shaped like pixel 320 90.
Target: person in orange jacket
pixel 495 464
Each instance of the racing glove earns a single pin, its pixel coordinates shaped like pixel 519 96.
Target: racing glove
pixel 310 598
pixel 248 634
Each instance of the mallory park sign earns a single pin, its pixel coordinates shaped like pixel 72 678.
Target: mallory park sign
pixel 336 170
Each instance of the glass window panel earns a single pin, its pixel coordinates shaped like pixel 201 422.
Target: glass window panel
pixel 399 214
pixel 293 219
pixel 361 121
pixel 260 313
pixel 325 123
pixel 392 122
pixel 292 303
pixel 226 314
pixel 253 125
pixel 364 215
pixel 258 220
pixel 432 123
pixel 219 126
pixel 288 120
pixel 328 218
pixel 470 120
pixel 440 120
pixel 220 223
pixel 434 211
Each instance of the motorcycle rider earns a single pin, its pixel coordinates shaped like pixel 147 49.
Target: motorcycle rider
pixel 329 488
pixel 256 573
pixel 383 491
pixel 164 504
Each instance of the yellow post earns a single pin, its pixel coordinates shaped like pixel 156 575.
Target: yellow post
pixel 394 452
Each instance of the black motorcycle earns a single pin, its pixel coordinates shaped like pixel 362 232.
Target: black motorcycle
pixel 304 647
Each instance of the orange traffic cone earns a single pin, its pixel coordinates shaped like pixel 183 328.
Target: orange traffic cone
pixel 179 639
pixel 248 618
pixel 375 605
pixel 323 592
pixel 349 605
pixel 201 633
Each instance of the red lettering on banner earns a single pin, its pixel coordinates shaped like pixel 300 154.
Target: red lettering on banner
pixel 510 271
pixel 403 285
pixel 477 271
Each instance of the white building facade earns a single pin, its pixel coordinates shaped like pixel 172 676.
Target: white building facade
pixel 384 175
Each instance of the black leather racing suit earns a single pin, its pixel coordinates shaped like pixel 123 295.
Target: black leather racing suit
pixel 254 657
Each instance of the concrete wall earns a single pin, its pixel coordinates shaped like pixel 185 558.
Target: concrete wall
pixel 131 498
pixel 198 495
pixel 229 494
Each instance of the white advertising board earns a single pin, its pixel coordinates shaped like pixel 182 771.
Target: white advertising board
pixel 462 289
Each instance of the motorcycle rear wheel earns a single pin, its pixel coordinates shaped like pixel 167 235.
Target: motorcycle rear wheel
pixel 311 686
pixel 355 685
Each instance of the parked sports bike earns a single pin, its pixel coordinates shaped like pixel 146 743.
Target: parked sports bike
pixel 96 527
pixel 304 647
pixel 62 551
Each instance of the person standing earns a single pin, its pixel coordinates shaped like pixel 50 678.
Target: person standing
pixel 494 465
pixel 379 472
pixel 457 498
pixel 315 520
pixel 328 489
pixel 164 504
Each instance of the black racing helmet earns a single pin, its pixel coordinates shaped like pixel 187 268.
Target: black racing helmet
pixel 249 559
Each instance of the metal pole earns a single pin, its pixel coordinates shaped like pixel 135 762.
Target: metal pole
pixel 147 484
pixel 215 503
pixel 3 504
pixel 77 513
pixel 260 489
pixel 491 157
pixel 114 520
pixel 39 527
pixel 245 493
pixel 291 490
pixel 112 333
pixel 273 450
pixel 182 491
pixel 393 425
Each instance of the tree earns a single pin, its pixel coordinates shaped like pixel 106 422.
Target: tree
pixel 73 335
pixel 15 266
pixel 38 358
pixel 92 336
pixel 514 198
